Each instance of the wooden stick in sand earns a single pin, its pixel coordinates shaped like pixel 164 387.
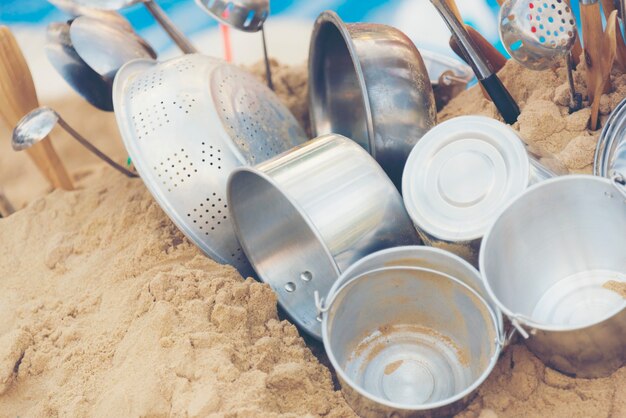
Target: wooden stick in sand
pixel 577 49
pixel 608 8
pixel 17 98
pixel 592 41
pixel 6 208
pixel 608 56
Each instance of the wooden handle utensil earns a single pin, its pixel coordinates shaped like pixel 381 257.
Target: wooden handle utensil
pixel 592 42
pixel 608 56
pixel 17 98
pixel 608 7
pixel 495 59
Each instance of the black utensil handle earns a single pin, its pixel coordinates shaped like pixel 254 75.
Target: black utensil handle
pixel 501 98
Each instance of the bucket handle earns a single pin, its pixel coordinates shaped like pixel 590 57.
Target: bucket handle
pixel 319 303
pixel 619 181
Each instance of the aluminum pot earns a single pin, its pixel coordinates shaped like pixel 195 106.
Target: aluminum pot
pixel 368 82
pixel 409 341
pixel 547 262
pixel 308 214
pixel 425 257
pixel 460 175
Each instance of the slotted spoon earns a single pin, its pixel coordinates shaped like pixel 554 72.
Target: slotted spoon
pixel 187 124
pixel 539 34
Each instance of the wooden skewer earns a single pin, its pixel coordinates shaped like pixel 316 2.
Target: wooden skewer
pixel 608 8
pixel 6 208
pixel 17 98
pixel 577 49
pixel 592 40
pixel 609 54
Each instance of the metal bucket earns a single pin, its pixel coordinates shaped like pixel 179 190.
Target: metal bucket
pixel 460 175
pixel 409 341
pixel 308 214
pixel 368 82
pixel 546 261
pixel 424 257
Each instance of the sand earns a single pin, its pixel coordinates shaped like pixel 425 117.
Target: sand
pixel 107 310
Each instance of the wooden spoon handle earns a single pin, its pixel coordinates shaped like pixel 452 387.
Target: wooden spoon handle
pixel 592 40
pixel 609 54
pixel 608 8
pixel 17 98
pixel 495 59
pixel 577 49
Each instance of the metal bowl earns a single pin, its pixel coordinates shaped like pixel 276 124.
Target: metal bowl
pixel 368 82
pixel 409 341
pixel 546 262
pixel 308 214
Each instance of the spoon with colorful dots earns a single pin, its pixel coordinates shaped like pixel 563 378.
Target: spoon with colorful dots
pixel 539 34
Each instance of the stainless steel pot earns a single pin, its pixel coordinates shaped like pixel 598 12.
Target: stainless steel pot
pixel 546 261
pixel 308 214
pixel 409 341
pixel 368 82
pixel 460 175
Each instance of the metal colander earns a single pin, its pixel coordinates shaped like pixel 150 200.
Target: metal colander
pixel 187 123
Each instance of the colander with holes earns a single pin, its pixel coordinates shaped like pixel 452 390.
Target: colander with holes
pixel 187 123
pixel 537 33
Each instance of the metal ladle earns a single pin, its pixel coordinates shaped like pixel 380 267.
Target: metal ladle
pixel 105 47
pixel 155 10
pixel 87 52
pixel 245 15
pixel 83 79
pixel 38 124
pixel 538 34
pixel 75 10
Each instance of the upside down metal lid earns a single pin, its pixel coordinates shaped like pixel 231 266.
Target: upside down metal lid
pixel 461 174
pixel 610 158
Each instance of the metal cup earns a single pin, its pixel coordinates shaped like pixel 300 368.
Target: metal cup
pixel 306 215
pixel 545 261
pixel 409 341
pixel 460 175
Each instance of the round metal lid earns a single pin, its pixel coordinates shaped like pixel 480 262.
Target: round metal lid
pixel 461 174
pixel 610 155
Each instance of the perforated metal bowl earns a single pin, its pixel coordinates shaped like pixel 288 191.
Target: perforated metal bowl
pixel 187 124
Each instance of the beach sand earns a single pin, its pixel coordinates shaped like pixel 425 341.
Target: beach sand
pixel 108 310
